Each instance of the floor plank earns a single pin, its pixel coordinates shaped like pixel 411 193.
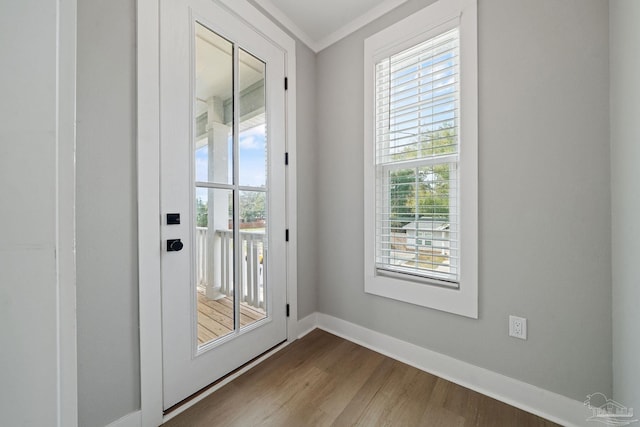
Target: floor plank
pixel 215 317
pixel 324 380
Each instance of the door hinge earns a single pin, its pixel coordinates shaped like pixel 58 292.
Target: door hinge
pixel 286 83
pixel 286 235
pixel 287 310
pixel 286 159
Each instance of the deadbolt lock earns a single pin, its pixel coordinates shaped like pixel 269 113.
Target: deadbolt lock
pixel 174 245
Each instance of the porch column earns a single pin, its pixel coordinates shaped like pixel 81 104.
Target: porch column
pixel 218 202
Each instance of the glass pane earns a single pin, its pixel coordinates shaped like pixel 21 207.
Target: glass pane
pixel 253 135
pixel 218 275
pixel 253 226
pixel 214 263
pixel 417 221
pixel 417 100
pixel 213 107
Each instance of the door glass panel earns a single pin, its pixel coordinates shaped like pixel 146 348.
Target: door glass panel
pixel 213 107
pixel 214 263
pixel 231 280
pixel 214 166
pixel 253 135
pixel 253 226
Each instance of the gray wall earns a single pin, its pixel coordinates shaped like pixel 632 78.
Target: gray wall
pixel 28 194
pixel 306 164
pixel 625 158
pixel 544 197
pixel 108 347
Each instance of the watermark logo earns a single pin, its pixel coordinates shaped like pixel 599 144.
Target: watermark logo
pixel 608 411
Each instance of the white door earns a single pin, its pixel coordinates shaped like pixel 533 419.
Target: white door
pixel 222 194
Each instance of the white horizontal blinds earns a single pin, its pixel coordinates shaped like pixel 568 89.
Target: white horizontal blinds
pixel 417 114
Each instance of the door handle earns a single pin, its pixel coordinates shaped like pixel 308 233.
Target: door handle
pixel 174 245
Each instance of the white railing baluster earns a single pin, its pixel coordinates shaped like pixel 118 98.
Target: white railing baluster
pixel 247 261
pixel 204 254
pixel 254 273
pixel 227 264
pixel 201 257
pixel 260 281
pixel 251 280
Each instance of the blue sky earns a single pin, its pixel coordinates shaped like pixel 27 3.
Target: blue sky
pixel 252 158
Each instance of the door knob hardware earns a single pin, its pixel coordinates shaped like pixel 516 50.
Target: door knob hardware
pixel 174 245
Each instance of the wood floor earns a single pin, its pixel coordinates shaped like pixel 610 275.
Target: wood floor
pixel 215 317
pixel 323 380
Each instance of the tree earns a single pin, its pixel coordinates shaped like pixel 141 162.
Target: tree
pixel 401 198
pixel 202 215
pixel 423 191
pixel 252 206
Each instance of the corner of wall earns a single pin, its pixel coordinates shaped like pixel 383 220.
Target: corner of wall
pixel 624 66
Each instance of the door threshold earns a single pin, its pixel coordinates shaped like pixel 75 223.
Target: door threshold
pixel 199 395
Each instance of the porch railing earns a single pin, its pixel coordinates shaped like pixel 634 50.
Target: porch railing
pixel 214 265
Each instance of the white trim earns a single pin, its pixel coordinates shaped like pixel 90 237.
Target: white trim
pixel 292 194
pixel 222 383
pixel 546 404
pixel 307 324
pixel 148 167
pixel 133 419
pixel 335 36
pixel 148 152
pixel 399 36
pixel 65 215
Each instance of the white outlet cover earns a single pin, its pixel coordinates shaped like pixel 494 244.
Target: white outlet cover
pixel 518 327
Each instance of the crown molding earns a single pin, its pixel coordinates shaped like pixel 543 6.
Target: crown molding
pixel 284 19
pixel 318 45
pixel 358 23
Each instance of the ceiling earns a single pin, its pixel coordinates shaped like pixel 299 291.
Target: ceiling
pixel 214 69
pixel 319 24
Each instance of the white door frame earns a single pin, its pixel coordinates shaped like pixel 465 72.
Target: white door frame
pixel 149 217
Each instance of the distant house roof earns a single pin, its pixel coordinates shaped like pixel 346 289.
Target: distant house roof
pixel 428 224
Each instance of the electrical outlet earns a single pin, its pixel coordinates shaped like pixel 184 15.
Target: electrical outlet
pixel 518 327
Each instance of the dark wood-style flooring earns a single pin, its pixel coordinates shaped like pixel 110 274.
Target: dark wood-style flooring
pixel 324 380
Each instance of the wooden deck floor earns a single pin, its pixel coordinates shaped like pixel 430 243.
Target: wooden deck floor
pixel 215 317
pixel 323 380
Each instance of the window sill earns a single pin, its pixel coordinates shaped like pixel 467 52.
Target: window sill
pixel 462 301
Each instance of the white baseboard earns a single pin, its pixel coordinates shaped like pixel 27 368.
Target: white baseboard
pixel 307 324
pixel 549 405
pixel 133 419
pixel 546 404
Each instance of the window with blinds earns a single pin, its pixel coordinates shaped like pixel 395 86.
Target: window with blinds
pixel 417 97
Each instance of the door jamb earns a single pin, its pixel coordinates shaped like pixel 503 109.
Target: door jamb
pixel 148 174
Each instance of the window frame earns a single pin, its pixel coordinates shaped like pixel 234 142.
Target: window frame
pixel 427 23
